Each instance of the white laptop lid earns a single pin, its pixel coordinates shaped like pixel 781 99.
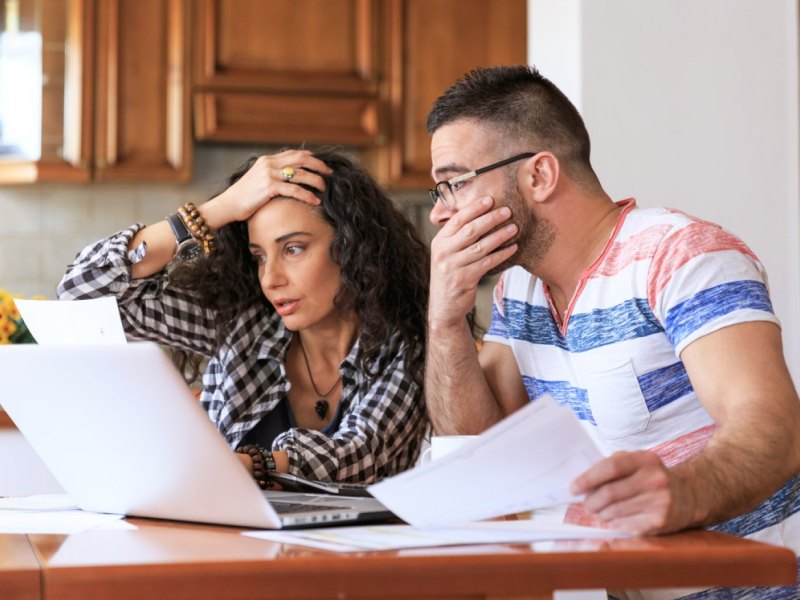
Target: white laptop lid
pixel 125 412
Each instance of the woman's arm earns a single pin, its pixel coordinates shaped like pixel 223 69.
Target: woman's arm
pixel 150 309
pixel 256 187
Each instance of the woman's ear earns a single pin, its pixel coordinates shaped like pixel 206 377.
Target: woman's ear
pixel 542 173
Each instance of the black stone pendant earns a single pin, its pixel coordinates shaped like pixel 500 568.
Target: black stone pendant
pixel 321 408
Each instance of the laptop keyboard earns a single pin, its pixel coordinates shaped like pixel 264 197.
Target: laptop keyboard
pixel 295 507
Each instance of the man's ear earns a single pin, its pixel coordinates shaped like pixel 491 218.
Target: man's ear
pixel 541 177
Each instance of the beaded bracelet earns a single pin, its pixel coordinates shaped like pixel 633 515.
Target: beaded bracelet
pixel 197 226
pixel 263 463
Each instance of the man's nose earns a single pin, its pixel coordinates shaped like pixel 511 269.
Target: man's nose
pixel 440 214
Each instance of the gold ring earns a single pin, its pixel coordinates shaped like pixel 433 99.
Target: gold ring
pixel 287 173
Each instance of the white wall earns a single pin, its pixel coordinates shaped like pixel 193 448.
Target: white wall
pixel 691 104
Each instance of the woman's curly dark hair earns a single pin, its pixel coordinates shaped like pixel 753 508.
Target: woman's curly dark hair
pixel 384 266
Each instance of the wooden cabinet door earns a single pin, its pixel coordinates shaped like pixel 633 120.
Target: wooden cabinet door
pixel 142 125
pixel 287 71
pixel 67 70
pixel 432 43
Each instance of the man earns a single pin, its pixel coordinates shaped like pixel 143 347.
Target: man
pixel 653 326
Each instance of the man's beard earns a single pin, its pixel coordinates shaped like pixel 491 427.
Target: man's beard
pixel 535 235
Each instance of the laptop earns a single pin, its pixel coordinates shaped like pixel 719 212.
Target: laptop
pixel 122 433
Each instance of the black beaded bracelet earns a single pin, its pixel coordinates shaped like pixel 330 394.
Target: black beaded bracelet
pixel 263 463
pixel 269 460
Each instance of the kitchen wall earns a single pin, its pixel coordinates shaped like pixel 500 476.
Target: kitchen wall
pixel 42 226
pixel 692 105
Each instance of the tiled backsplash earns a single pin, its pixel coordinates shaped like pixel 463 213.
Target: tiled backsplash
pixel 43 226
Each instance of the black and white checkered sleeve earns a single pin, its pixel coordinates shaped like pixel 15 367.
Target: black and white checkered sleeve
pixel 379 435
pixel 149 307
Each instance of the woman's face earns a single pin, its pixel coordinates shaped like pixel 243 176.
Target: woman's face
pixel 291 243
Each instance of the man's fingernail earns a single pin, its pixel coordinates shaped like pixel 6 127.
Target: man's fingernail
pixel 505 212
pixel 486 201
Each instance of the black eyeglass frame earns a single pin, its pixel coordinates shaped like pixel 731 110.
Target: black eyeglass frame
pixel 436 195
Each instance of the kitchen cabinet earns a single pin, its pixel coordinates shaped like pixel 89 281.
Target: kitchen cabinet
pixel 126 91
pixel 288 71
pixel 142 119
pixel 429 45
pixel 115 92
pixel 41 85
pixel 361 73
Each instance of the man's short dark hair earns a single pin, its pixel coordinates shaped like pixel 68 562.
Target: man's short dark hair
pixel 527 109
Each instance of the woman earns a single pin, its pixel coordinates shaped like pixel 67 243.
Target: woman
pixel 308 300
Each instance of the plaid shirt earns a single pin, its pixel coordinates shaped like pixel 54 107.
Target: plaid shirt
pixel 383 419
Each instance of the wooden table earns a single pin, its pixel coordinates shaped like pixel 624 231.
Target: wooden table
pixel 20 572
pixel 171 560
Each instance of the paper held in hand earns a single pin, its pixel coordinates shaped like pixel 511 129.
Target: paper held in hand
pixel 526 461
pixel 94 321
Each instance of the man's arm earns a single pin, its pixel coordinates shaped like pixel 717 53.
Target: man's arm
pixel 740 376
pixel 477 392
pixel 458 396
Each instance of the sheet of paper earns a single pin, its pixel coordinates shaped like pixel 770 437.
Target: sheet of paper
pixel 38 502
pixel 95 321
pixel 396 537
pixel 526 461
pixel 55 522
pixel 52 513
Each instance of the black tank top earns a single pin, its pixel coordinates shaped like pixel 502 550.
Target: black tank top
pixel 280 420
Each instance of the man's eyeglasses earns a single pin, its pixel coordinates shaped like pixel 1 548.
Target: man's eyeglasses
pixel 446 190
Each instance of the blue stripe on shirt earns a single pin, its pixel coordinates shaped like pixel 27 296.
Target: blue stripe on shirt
pixel 526 322
pixel 712 303
pixel 565 394
pixel 781 505
pixel 659 388
pixel 665 385
pixel 629 320
pixel 498 325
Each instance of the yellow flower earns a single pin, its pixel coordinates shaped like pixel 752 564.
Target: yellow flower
pixel 6 299
pixel 8 328
pixel 12 327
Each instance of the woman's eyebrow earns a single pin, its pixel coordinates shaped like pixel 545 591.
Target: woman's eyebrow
pixel 279 239
pixel 291 234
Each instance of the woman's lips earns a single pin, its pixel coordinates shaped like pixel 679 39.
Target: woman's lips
pixel 285 306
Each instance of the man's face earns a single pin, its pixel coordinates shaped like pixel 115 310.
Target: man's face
pixel 456 149
pixel 464 146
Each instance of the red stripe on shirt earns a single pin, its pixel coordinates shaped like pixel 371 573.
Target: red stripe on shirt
pixel 641 246
pixel 685 447
pixel 694 240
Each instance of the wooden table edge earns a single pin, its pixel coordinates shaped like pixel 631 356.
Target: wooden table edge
pixel 382 575
pixel 5 421
pixel 20 569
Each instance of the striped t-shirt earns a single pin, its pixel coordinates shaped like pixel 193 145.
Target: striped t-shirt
pixel 663 280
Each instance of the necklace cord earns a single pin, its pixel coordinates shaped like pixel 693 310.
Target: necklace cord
pixel 311 377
